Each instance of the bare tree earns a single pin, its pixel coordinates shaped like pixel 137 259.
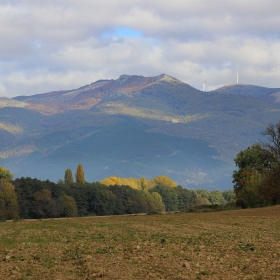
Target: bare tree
pixel 272 132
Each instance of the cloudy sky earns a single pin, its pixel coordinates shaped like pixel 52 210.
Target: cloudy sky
pixel 65 44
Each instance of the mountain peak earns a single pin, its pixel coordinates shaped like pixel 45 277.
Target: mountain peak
pixel 135 78
pixel 167 78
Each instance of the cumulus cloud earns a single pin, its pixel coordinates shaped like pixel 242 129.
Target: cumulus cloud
pixel 51 45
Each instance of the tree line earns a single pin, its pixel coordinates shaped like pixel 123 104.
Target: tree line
pixel 30 198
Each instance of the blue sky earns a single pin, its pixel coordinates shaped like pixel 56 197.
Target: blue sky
pixel 122 32
pixel 52 45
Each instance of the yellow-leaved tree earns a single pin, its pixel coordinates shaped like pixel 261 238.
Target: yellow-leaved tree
pixel 5 174
pixel 80 175
pixel 8 197
pixel 165 181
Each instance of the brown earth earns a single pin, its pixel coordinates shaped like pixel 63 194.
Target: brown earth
pixel 239 244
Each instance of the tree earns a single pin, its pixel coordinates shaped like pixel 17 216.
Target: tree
pixel 143 184
pixel 158 204
pixel 80 176
pixel 253 163
pixel 270 187
pixel 70 208
pixel 272 133
pixel 8 200
pixel 256 164
pixel 165 181
pixel 250 193
pixel 230 197
pixel 6 174
pixel 45 206
pixel 68 177
pixel 169 196
pixel 253 158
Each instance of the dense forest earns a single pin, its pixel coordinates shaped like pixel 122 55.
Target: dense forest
pixel 256 183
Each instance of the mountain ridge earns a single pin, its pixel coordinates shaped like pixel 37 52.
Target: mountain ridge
pixel 134 126
pixel 91 95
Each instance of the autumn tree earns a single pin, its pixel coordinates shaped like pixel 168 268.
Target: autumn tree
pixel 143 184
pixel 80 176
pixel 6 174
pixel 68 177
pixel 8 200
pixel 165 181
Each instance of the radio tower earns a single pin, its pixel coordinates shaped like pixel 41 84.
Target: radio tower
pixel 204 86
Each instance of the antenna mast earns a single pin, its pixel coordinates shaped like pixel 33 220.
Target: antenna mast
pixel 204 86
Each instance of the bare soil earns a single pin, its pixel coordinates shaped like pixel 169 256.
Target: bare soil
pixel 239 244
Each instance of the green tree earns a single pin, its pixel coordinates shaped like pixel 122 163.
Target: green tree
pixel 200 200
pixel 253 164
pixel 169 196
pixel 230 197
pixel 45 206
pixel 158 204
pixel 8 200
pixel 270 186
pixel 69 205
pixel 68 177
pixel 80 176
pixel 216 197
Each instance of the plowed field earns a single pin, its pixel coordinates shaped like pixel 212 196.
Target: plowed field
pixel 239 244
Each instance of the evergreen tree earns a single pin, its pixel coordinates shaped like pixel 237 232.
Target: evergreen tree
pixel 68 177
pixel 80 176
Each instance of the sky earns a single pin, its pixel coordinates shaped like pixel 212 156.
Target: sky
pixel 65 44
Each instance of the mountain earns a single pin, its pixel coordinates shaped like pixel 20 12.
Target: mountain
pixel 271 95
pixel 135 126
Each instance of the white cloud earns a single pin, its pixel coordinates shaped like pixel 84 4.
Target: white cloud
pixel 51 45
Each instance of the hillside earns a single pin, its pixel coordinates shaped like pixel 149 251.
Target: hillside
pixel 271 95
pixel 132 127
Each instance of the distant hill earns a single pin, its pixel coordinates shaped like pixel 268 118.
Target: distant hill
pixel 135 126
pixel 271 95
